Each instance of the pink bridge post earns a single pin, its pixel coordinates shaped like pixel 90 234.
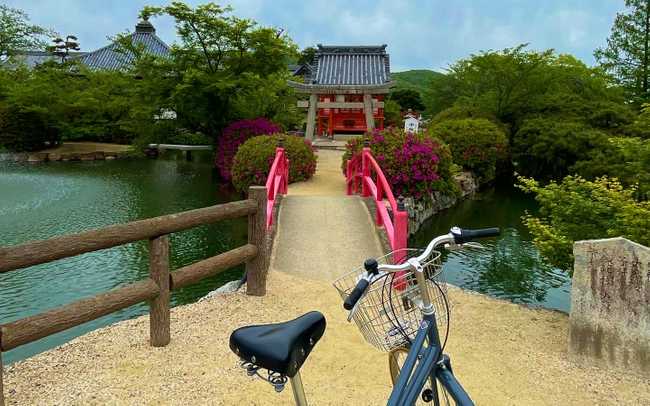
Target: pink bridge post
pixel 276 182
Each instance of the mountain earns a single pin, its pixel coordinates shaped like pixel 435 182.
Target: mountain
pixel 416 79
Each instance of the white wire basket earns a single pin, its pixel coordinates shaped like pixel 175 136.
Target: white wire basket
pixel 389 315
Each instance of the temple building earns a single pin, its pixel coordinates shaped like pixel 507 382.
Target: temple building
pixel 110 57
pixel 346 87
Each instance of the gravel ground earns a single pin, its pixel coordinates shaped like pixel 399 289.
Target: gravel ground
pixel 503 353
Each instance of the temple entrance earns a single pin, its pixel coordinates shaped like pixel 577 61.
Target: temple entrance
pixel 347 86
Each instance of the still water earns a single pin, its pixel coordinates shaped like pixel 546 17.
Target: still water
pixel 509 267
pixel 47 200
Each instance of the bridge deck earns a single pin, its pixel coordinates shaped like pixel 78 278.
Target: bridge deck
pixel 322 233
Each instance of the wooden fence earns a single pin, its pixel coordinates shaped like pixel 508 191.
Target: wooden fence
pixel 155 289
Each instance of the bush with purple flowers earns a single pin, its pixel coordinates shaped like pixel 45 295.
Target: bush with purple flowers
pixel 235 135
pixel 414 164
pixel 254 158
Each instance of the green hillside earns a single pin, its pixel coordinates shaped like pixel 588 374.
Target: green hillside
pixel 417 79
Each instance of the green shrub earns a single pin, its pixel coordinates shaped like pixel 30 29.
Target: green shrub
pixel 577 209
pixel 26 130
pixel 476 144
pixel 414 164
pixel 254 158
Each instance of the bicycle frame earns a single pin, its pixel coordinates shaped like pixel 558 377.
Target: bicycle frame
pixel 431 364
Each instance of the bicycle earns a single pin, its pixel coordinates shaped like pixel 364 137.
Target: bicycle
pixel 396 307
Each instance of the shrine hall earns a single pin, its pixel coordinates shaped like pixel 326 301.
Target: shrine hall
pixel 346 87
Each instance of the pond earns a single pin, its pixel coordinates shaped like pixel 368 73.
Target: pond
pixel 47 200
pixel 509 267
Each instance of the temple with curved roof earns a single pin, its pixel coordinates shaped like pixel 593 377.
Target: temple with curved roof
pixel 347 85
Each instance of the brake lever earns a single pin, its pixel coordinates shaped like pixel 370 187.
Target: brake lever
pixel 452 246
pixel 455 247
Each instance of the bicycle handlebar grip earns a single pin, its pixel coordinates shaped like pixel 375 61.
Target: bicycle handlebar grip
pixel 465 235
pixel 356 294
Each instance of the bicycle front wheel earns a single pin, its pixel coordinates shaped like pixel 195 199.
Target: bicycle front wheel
pixel 396 358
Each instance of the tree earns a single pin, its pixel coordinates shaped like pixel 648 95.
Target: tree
pixel 17 34
pixel 627 54
pixel 408 99
pixel 222 70
pixel 547 148
pixel 307 56
pixel 577 209
pixel 62 48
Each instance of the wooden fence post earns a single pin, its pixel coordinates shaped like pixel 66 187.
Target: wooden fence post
pixel 2 394
pixel 257 268
pixel 159 306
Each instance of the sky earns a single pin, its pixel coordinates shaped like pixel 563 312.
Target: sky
pixel 420 34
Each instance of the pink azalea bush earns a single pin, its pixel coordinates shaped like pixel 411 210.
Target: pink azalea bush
pixel 235 135
pixel 414 164
pixel 254 158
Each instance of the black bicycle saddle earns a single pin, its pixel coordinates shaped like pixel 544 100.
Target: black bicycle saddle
pixel 280 347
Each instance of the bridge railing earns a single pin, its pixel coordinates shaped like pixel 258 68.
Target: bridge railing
pixel 359 172
pixel 156 289
pixel 277 182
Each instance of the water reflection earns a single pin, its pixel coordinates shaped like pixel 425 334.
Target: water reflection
pixel 43 201
pixel 509 267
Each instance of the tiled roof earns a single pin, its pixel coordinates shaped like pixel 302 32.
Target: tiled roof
pixel 111 58
pixel 351 65
pixel 33 58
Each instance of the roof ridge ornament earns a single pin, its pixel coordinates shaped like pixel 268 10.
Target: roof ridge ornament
pixel 145 26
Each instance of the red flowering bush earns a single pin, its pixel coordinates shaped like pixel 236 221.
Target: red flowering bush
pixel 235 135
pixel 414 164
pixel 254 159
pixel 476 144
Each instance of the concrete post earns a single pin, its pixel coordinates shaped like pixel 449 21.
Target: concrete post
pixel 610 304
pixel 311 116
pixel 367 108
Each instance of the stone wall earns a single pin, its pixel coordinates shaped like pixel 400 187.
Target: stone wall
pixel 38 157
pixel 420 212
pixel 610 304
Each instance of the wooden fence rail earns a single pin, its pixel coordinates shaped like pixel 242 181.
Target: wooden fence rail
pixel 157 288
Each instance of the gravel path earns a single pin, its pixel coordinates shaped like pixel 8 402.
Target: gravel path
pixel 504 354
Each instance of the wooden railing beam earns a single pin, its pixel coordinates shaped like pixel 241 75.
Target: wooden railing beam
pixel 159 320
pixel 191 274
pixel 32 328
pixel 38 252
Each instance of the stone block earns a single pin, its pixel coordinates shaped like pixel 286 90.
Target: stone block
pixel 609 324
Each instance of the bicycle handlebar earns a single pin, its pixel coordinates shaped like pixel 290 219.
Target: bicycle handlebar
pixel 356 294
pixel 456 235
